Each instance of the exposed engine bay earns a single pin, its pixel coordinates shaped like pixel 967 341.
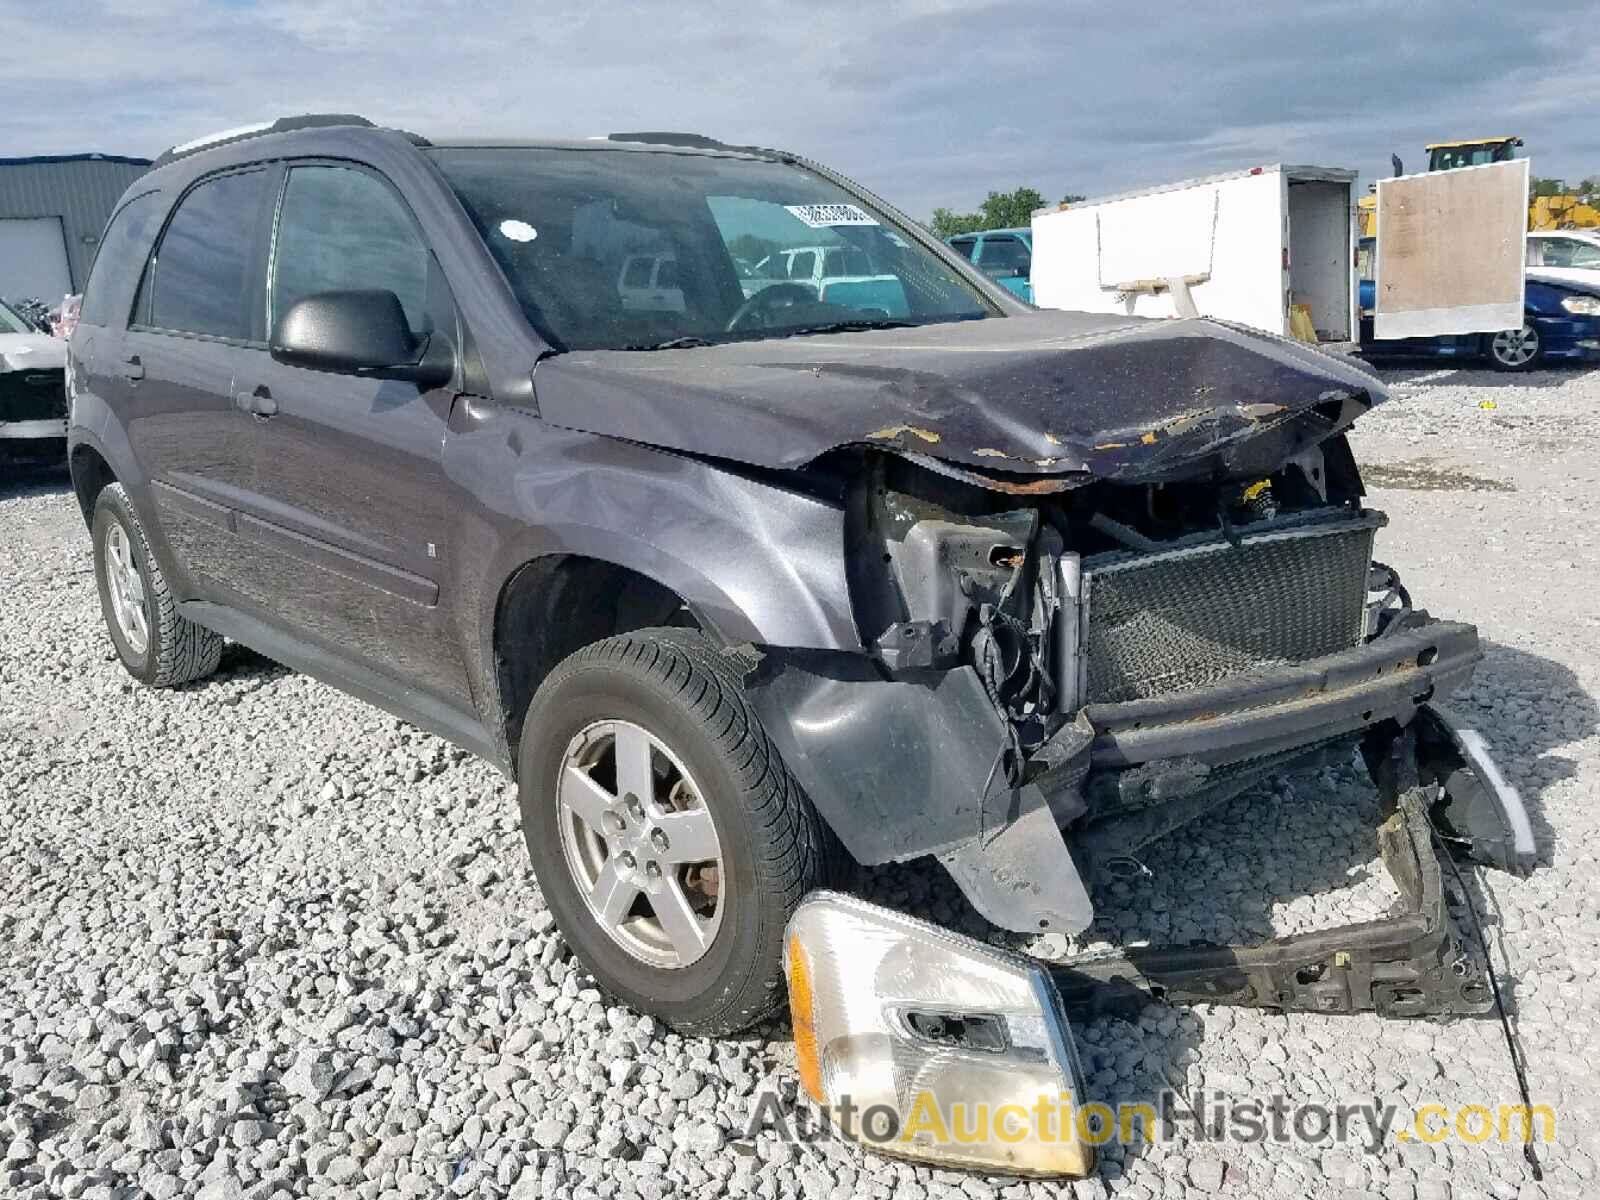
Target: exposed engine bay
pixel 965 577
pixel 1106 661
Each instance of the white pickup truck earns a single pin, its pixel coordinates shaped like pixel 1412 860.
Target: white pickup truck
pixel 839 270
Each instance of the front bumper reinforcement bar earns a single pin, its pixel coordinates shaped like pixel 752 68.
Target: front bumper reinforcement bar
pixel 1408 965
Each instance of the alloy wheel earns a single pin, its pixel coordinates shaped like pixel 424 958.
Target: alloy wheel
pixel 641 844
pixel 1515 347
pixel 127 589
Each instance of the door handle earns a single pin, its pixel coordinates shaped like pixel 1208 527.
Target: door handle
pixel 132 368
pixel 259 403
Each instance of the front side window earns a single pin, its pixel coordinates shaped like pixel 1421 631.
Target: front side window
pixel 747 247
pixel 343 229
pixel 200 278
pixel 965 247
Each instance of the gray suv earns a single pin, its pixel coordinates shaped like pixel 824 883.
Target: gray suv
pixel 750 587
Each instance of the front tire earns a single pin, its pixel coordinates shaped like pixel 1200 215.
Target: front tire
pixel 1515 349
pixel 669 839
pixel 156 645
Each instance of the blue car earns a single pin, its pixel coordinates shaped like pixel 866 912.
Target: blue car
pixel 1561 324
pixel 1004 255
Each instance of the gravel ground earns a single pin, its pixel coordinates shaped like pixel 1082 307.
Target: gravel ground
pixel 259 939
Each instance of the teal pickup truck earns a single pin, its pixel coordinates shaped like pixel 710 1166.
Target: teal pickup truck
pixel 1004 255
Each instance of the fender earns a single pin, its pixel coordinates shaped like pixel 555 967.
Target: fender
pixel 755 562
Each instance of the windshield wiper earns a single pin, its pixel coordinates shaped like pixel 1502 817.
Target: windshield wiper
pixel 679 343
pixel 842 327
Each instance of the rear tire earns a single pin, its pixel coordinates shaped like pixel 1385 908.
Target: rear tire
pixel 1514 349
pixel 156 645
pixel 670 689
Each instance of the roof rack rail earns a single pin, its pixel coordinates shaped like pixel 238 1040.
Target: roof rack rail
pixel 697 141
pixel 281 125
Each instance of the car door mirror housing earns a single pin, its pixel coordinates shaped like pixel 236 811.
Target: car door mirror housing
pixel 359 332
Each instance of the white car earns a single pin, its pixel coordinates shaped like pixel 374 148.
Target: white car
pixel 649 283
pixel 835 273
pixel 1572 254
pixel 33 398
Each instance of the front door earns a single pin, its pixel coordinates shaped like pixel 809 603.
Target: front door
pixel 353 509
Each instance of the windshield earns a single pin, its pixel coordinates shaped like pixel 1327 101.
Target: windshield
pixel 10 322
pixel 620 249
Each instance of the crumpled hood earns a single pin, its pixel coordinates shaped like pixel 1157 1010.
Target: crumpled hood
pixel 31 352
pixel 1048 393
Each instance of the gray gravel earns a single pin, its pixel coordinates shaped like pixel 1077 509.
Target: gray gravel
pixel 258 939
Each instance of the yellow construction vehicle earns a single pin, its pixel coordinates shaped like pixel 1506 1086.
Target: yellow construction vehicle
pixel 1475 152
pixel 1564 211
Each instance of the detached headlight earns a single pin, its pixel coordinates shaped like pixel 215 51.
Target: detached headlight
pixel 932 1046
pixel 1582 306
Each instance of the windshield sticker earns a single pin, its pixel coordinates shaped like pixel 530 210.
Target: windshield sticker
pixel 518 231
pixel 825 216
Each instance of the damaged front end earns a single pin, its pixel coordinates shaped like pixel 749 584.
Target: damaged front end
pixel 1102 576
pixel 1058 680
pixel 1054 683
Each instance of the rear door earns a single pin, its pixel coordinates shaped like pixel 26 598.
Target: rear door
pixel 353 509
pixel 1451 254
pixel 198 315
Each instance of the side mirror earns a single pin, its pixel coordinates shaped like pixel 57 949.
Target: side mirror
pixel 361 332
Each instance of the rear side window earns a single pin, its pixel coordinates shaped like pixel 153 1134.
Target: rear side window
pixel 343 229
pixel 109 293
pixel 964 247
pixel 1004 254
pixel 200 278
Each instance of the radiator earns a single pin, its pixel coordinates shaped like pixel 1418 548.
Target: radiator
pixel 1173 621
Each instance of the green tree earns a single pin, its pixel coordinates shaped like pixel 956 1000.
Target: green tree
pixel 947 224
pixel 1590 186
pixel 999 210
pixel 1546 187
pixel 1004 210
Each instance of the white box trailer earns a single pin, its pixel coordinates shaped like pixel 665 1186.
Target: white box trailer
pixel 1243 246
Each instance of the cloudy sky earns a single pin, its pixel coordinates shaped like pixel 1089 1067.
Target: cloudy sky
pixel 929 102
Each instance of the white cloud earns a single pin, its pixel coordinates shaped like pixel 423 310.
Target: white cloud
pixel 927 101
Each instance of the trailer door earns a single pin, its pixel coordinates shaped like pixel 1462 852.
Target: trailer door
pixel 1450 251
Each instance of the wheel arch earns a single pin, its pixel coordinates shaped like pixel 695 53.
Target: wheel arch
pixel 91 475
pixel 552 606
